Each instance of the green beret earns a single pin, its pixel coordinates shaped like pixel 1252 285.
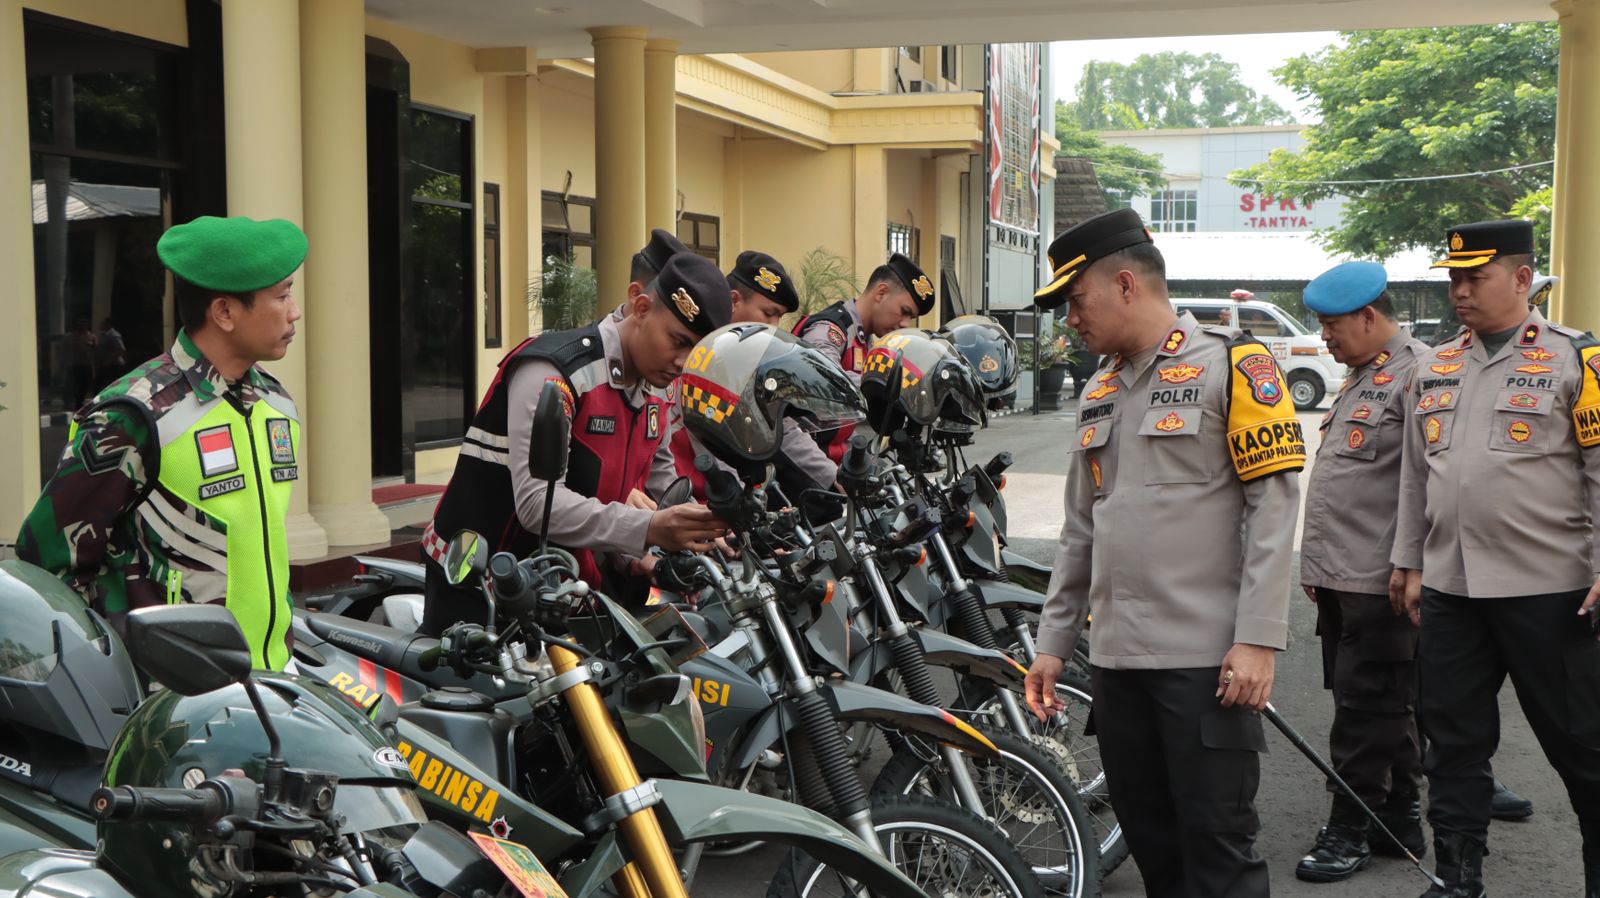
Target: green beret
pixel 233 255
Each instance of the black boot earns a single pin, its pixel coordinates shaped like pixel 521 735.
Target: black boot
pixel 1508 805
pixel 1341 847
pixel 1402 813
pixel 1459 864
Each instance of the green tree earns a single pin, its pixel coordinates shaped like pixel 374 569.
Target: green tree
pixel 1415 103
pixel 1123 171
pixel 1169 90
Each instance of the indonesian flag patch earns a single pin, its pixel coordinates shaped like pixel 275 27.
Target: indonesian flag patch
pixel 216 451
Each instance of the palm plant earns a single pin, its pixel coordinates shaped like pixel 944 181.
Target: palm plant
pixel 825 278
pixel 566 294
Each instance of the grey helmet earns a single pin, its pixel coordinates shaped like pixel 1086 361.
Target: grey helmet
pixel 938 387
pixel 742 380
pixel 991 352
pixel 64 675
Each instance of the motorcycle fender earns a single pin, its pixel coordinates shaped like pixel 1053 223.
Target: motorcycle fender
pixel 1025 571
pixel 945 650
pixel 852 702
pixel 996 594
pixel 59 874
pixel 456 791
pixel 693 812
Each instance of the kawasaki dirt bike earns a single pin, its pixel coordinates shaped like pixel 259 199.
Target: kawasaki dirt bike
pixel 970 591
pixel 1023 791
pixel 552 741
pixel 191 805
pixel 773 626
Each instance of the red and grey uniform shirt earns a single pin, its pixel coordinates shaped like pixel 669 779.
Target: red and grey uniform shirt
pixel 610 451
pixel 837 331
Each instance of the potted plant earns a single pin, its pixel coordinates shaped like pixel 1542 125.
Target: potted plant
pixel 1055 360
pixel 824 278
pixel 565 293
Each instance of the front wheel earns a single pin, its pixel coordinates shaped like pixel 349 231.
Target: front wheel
pixel 1025 793
pixel 948 852
pixel 1306 390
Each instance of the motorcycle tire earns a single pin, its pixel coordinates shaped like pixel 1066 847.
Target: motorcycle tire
pixel 1026 794
pixel 1078 756
pixel 975 860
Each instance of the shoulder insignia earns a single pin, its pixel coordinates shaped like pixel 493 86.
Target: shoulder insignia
pixel 835 334
pixel 1530 335
pixel 1380 358
pixel 1382 378
pixel 1264 436
pixel 102 456
pixel 1586 408
pixel 1538 354
pixel 1181 373
pixel 1174 342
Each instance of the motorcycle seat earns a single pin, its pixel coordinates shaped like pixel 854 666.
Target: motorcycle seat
pixel 375 642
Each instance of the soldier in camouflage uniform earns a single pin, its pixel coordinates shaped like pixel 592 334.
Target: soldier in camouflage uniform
pixel 175 483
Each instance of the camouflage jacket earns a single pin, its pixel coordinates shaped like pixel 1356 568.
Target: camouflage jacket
pixel 98 522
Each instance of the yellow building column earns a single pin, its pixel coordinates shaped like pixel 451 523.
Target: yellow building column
pixel 523 206
pixel 261 96
pixel 871 210
pixel 619 111
pixel 1577 202
pixel 19 358
pixel 928 246
pixel 338 423
pixel 1558 179
pixel 661 134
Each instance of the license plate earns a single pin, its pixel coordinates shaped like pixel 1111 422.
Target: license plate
pixel 520 865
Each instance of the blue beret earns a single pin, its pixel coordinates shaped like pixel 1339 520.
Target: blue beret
pixel 1346 287
pixel 233 255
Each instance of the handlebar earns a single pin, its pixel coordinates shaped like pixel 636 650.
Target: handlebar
pixel 855 469
pixel 997 466
pixel 204 805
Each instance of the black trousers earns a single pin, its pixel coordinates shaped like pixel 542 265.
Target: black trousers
pixel 1468 646
pixel 1369 661
pixel 1182 772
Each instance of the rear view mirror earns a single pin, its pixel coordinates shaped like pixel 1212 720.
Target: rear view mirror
pixel 547 453
pixel 466 558
pixel 678 492
pixel 190 649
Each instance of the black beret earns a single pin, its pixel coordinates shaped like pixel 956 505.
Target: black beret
pixel 762 273
pixel 662 246
pixel 695 291
pixel 915 282
pixel 1479 243
pixel 1085 243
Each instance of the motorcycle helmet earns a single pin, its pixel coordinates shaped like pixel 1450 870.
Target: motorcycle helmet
pixel 176 741
pixel 64 675
pixel 990 351
pixel 742 380
pixel 937 386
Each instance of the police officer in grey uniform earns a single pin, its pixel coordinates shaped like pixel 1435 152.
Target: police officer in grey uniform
pixel 1494 545
pixel 1181 498
pixel 1368 652
pixel 897 292
pixel 646 264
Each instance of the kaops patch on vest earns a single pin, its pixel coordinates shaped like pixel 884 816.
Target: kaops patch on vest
pixel 601 424
pixel 281 441
pixel 212 490
pixel 284 475
pixel 215 447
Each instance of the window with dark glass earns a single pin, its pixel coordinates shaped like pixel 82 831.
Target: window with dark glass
pixel 491 266
pixel 702 234
pixel 102 131
pixel 568 231
pixel 439 174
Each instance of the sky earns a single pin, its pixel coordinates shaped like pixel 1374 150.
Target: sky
pixel 1256 54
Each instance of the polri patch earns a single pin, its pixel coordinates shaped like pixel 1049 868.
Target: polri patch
pixel 215 446
pixel 281 441
pixel 1263 374
pixel 652 421
pixel 601 424
pixel 218 488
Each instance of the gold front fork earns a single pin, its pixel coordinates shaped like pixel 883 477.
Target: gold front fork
pixel 652 866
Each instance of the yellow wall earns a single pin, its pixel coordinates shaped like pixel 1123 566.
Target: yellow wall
pixel 567 132
pixel 157 20
pixel 905 203
pixel 700 171
pixel 786 203
pixel 825 70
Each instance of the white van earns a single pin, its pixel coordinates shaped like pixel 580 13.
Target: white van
pixel 1307 365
